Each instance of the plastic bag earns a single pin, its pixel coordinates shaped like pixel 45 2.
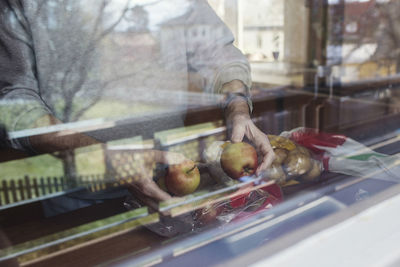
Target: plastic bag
pixel 166 226
pixel 244 203
pixel 341 154
pixel 240 206
pixel 292 162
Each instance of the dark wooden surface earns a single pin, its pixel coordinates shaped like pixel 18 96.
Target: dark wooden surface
pixel 374 127
pixel 103 252
pixel 27 222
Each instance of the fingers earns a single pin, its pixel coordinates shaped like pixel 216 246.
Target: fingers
pixel 155 192
pixel 266 162
pixel 147 201
pixel 147 189
pixel 238 133
pixel 262 143
pixel 266 150
pixel 244 126
pixel 143 185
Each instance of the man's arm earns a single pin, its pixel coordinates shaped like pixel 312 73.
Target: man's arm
pixel 57 141
pixel 226 70
pixel 237 113
pixel 23 107
pixel 19 90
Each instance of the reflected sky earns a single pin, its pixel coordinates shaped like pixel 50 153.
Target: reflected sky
pixel 159 11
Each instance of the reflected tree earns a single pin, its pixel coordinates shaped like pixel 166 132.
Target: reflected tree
pixel 140 18
pixel 73 76
pixel 378 25
pixel 73 81
pixel 388 33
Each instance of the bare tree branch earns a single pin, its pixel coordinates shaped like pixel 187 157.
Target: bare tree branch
pixel 89 104
pixel 40 6
pixel 86 55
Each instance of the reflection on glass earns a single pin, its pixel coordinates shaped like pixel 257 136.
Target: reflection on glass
pixel 81 234
pixel 361 39
pixel 102 101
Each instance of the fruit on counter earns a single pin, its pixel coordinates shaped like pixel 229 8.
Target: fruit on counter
pixel 208 214
pixel 280 156
pixel 297 163
pixel 303 150
pixel 239 159
pixel 281 142
pixel 183 178
pixel 292 161
pixel 313 173
pixel 275 172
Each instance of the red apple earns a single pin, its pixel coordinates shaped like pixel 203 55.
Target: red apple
pixel 183 178
pixel 239 159
pixel 208 214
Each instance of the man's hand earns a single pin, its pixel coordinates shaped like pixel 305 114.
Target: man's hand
pixel 239 121
pixel 143 185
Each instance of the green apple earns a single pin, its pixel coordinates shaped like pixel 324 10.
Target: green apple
pixel 239 159
pixel 183 178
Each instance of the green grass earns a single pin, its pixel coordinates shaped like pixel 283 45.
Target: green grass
pixel 90 160
pixel 174 134
pixel 113 108
pixel 39 166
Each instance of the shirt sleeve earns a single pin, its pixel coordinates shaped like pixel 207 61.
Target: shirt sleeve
pixel 20 101
pixel 211 51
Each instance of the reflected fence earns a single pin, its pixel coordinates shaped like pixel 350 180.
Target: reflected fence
pixel 28 188
pixel 31 188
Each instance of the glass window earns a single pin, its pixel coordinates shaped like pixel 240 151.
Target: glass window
pixel 157 132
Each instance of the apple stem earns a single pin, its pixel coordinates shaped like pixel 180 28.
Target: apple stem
pixel 191 169
pixel 248 169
